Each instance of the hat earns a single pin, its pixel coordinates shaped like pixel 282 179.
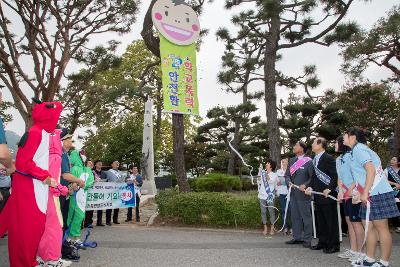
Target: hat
pixel 64 134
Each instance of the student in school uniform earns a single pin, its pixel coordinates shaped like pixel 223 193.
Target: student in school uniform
pixel 346 187
pixel 375 192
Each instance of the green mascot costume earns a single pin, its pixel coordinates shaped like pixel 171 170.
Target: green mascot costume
pixel 77 204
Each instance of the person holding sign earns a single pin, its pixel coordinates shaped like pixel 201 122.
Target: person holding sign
pixel 136 179
pixel 114 176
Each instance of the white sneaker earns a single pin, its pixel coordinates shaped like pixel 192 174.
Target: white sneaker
pixel 347 254
pixel 359 261
pixel 64 263
pixel 355 257
pixel 40 261
pixel 59 263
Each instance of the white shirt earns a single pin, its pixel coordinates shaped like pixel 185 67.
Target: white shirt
pixel 281 189
pixel 273 180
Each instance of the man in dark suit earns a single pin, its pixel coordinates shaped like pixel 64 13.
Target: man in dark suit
pixel 299 173
pixel 325 180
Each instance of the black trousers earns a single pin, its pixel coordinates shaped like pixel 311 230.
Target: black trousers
pixel 89 217
pixel 115 215
pixel 5 192
pixel 328 227
pixel 137 208
pixel 64 206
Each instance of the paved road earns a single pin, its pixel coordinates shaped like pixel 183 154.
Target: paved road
pixel 141 246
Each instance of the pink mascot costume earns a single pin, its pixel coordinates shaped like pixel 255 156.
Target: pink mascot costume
pixel 50 244
pixel 25 213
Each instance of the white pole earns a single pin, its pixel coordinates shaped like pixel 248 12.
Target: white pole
pixel 339 222
pixel 313 219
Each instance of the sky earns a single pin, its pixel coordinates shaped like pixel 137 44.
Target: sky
pixel 214 16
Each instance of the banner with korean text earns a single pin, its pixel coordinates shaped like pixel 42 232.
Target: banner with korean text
pixel 179 77
pixel 110 196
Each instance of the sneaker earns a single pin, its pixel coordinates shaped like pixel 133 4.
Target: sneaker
pixel 355 257
pixel 347 254
pixel 64 263
pixel 59 263
pixel 397 230
pixel 359 260
pixel 40 261
pixel 78 244
pixel 69 251
pixel 365 263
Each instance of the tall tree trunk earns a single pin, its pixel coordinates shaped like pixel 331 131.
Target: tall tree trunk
pixel 235 144
pixel 270 57
pixel 179 146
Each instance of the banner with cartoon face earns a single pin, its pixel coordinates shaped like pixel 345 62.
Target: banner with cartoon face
pixel 176 21
pixel 179 77
pixel 179 30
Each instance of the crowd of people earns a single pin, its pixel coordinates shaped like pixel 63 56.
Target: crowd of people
pixel 311 190
pixel 43 193
pixel 49 181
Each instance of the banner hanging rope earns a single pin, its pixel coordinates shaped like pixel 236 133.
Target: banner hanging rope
pixel 242 159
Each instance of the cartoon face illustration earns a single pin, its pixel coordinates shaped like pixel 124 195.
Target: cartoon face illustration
pixel 176 21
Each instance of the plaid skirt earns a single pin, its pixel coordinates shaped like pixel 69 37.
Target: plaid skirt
pixel 383 206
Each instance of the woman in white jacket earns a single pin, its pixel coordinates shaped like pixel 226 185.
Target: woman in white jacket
pixel 267 183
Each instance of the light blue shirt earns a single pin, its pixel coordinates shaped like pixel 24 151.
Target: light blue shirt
pixel 360 155
pixel 343 168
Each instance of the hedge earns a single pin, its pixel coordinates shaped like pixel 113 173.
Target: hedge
pixel 219 182
pixel 210 208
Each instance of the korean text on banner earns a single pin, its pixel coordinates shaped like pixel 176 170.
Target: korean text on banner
pixel 110 196
pixel 179 77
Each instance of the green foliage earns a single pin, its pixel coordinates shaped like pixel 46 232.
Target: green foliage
pixel 4 107
pixel 378 46
pixel 121 141
pixel 210 208
pixel 252 140
pixel 373 107
pixel 216 182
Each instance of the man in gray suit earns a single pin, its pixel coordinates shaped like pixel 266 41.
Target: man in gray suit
pixel 300 172
pixel 114 176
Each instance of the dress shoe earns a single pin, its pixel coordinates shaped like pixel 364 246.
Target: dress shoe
pixel 307 244
pixel 100 224
pixel 109 224
pixel 293 242
pixel 317 247
pixel 116 223
pixel 127 220
pixel 331 250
